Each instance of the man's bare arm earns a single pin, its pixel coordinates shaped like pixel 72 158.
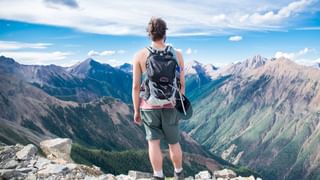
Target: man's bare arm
pixel 136 82
pixel 182 79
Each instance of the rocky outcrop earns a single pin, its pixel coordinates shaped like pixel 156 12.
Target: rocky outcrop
pixel 57 149
pixel 27 152
pixel 24 162
pixel 225 174
pixel 203 175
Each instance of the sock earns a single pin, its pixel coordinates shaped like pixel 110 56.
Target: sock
pixel 158 173
pixel 178 170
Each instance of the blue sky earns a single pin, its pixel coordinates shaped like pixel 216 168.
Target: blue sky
pixel 64 32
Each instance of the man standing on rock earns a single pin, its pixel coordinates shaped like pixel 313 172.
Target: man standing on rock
pixel 161 69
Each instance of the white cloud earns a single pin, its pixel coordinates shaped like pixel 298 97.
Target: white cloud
pixel 305 56
pixel 105 53
pixel 31 53
pixel 189 51
pixel 34 57
pixel 278 16
pixel 93 53
pixel 316 28
pixel 184 18
pixel 308 62
pixel 292 55
pixel 14 45
pixel 57 3
pixel 235 38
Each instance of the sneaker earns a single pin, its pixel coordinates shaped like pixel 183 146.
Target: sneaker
pixel 157 178
pixel 179 176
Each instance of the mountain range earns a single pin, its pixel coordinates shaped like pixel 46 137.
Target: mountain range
pixel 264 113
pixel 43 102
pixel 260 113
pixel 29 99
pixel 83 82
pixel 317 65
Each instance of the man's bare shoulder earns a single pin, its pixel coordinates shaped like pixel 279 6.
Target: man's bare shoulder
pixel 180 58
pixel 141 54
pixel 178 53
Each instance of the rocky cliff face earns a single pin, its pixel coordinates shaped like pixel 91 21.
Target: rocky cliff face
pixel 24 162
pixel 263 113
pixel 197 75
pixel 126 67
pixel 28 114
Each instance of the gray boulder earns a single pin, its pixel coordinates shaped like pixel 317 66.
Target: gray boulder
pixel 203 175
pixel 123 177
pixel 139 174
pixel 57 149
pixel 10 164
pixel 224 174
pixel 243 178
pixel 41 162
pixel 53 169
pixel 189 178
pixel 107 177
pixel 27 152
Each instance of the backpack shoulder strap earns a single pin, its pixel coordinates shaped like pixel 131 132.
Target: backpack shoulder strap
pixel 150 49
pixel 171 49
pixel 167 49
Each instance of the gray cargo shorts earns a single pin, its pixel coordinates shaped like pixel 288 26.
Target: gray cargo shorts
pixel 161 123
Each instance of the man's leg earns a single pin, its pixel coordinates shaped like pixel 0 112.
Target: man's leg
pixel 176 155
pixel 155 156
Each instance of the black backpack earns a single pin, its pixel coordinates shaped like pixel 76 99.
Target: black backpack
pixel 162 79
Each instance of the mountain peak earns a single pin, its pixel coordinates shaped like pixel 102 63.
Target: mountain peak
pixel 89 61
pixel 210 67
pixel 7 60
pixel 317 65
pixel 195 63
pixel 126 67
pixel 194 67
pixel 8 65
pixel 284 67
pixel 255 61
pixel 83 67
pixel 242 66
pixel 258 57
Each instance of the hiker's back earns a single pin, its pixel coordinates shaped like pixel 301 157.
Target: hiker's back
pixel 159 77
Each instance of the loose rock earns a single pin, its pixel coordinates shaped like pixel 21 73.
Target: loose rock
pixel 27 152
pixel 139 175
pixel 57 149
pixel 225 174
pixel 203 175
pixel 53 169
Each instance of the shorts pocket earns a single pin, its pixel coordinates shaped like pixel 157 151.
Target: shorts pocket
pixel 151 117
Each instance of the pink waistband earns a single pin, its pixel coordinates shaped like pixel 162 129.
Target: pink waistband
pixel 145 105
